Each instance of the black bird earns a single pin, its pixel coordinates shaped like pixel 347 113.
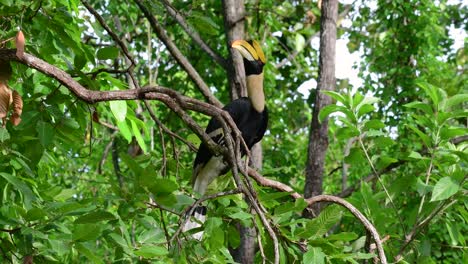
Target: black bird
pixel 251 117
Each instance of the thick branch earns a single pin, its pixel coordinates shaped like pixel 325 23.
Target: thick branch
pixel 178 104
pixel 194 34
pixel 324 198
pixel 175 52
pixel 369 227
pixel 169 97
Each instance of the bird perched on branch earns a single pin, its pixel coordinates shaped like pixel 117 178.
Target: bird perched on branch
pixel 251 117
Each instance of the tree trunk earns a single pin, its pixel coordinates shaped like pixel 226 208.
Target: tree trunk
pixel 318 138
pixel 234 17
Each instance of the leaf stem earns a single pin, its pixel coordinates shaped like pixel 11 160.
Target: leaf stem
pixel 381 183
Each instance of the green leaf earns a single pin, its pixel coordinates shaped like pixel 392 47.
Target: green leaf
pixel 64 194
pixel 35 214
pixel 107 53
pixel 72 208
pixel 150 251
pixel 314 255
pixel 216 238
pixel 423 188
pixel 374 124
pixel 337 96
pixel 45 132
pixel 456 100
pixel 444 188
pixel 79 61
pixel 415 155
pixel 427 141
pixel 233 236
pixel 447 133
pixel 366 105
pixel 453 232
pixel 94 217
pixel 430 91
pixel 343 236
pixel 365 109
pixel 203 23
pixel 120 241
pixel 384 161
pixel 300 42
pixel 4 135
pixel 420 105
pixel 119 110
pixel 86 232
pixel 21 186
pixel 329 109
pixel 125 130
pixel 88 253
pixel 194 139
pixel 162 186
pixel 320 225
pixel 358 243
pixel 240 215
pixel 139 137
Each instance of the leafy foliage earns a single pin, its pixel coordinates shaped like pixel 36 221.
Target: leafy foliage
pixel 75 179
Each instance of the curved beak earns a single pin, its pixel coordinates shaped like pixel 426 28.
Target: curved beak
pixel 250 51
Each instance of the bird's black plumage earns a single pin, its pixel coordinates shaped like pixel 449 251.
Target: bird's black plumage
pixel 250 116
pixel 250 122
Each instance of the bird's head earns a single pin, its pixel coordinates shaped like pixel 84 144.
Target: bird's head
pixel 254 58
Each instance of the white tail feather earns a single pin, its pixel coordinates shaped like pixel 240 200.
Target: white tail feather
pixel 192 224
pixel 205 175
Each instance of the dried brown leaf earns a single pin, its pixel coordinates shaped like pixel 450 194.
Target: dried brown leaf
pixel 6 99
pixel 96 117
pixel 20 41
pixel 15 119
pixel 17 103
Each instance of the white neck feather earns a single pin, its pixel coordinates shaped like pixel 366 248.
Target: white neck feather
pixel 255 91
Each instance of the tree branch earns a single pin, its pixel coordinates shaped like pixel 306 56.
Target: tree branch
pixel 175 52
pixel 178 104
pixel 324 198
pixel 369 227
pixel 189 211
pixel 194 34
pixel 116 38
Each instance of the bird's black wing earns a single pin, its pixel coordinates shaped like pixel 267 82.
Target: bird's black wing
pixel 263 126
pixel 238 110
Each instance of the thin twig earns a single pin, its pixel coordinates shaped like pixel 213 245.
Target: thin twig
pixel 369 160
pixel 166 233
pixel 322 198
pixel 116 38
pixel 189 210
pixel 158 206
pixel 175 52
pixel 105 153
pixel 167 130
pixel 415 231
pixel 178 104
pixel 194 34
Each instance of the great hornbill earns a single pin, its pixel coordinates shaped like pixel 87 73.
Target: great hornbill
pixel 251 117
